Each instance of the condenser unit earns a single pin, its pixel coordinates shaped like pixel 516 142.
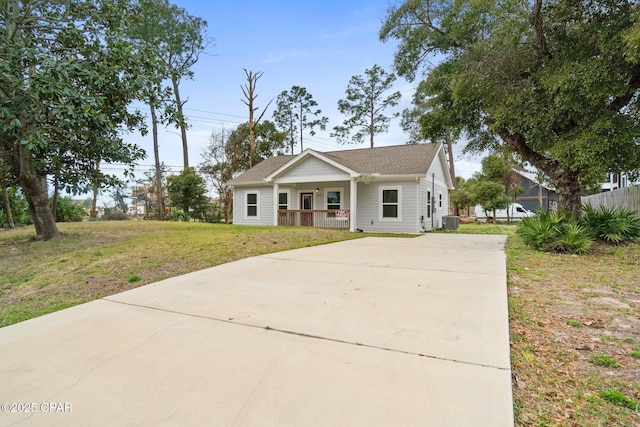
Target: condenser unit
pixel 450 222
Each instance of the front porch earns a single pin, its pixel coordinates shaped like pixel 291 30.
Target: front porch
pixel 328 218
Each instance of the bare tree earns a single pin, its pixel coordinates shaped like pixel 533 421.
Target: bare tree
pixel 248 91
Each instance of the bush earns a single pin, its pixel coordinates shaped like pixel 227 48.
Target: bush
pixel 555 232
pixel 613 226
pixel 115 216
pixel 68 210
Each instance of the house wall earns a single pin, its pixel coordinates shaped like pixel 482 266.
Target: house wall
pixel 265 206
pixel 369 206
pixel 436 184
pixel 265 199
pixel 312 167
pixel 320 198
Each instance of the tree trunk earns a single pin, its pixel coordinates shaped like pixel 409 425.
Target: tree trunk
pixel 54 199
pixel 567 182
pixel 93 213
pixel 35 191
pixel 301 127
pixel 7 207
pixel 568 191
pixel 156 153
pixel 452 169
pixel 183 127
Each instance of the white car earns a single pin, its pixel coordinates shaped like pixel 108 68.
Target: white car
pixel 516 212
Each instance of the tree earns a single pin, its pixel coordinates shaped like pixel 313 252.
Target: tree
pixel 218 166
pixel 248 91
pixel 176 38
pixel 365 105
pixel 66 80
pixel 490 195
pixel 462 197
pixel 152 41
pixel 549 80
pixel 155 180
pixel 187 191
pixel 293 114
pixel 490 187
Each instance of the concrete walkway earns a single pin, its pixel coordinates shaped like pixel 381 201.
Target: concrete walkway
pixel 368 332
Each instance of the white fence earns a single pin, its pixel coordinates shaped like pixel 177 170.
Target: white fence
pixel 628 197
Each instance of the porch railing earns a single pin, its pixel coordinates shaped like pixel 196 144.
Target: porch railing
pixel 338 219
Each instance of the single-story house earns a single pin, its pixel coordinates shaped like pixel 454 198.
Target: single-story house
pixel 403 189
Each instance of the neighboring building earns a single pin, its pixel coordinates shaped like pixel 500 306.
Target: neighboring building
pixel 534 193
pixel 402 189
pixel 616 181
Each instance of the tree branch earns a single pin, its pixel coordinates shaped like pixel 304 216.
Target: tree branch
pixel 537 27
pixel 519 144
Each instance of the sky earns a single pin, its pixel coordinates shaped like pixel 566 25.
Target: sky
pixel 318 45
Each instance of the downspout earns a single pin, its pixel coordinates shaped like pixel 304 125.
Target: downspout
pixel 276 202
pixel 433 199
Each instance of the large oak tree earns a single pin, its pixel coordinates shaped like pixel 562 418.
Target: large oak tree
pixel 555 80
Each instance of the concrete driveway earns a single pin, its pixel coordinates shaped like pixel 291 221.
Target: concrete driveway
pixel 368 332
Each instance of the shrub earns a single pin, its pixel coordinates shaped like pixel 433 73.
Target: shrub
pixel 610 224
pixel 555 231
pixel 575 239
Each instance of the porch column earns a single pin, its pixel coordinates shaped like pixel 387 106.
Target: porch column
pixel 276 200
pixel 353 204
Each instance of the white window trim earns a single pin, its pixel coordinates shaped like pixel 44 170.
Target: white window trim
pixel 337 189
pixel 288 198
pixel 390 187
pixel 246 204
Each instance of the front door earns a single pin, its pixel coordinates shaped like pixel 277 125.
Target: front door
pixel 306 204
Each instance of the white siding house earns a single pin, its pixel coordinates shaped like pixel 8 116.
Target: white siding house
pixel 402 189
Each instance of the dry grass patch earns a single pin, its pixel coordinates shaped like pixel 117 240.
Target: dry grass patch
pixel 575 321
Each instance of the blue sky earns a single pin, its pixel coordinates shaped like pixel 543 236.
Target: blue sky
pixel 316 45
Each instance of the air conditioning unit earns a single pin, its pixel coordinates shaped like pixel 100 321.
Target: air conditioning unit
pixel 450 222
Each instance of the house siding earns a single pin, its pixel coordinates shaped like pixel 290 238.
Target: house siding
pixel 435 182
pixel 311 167
pixel 320 198
pixel 368 214
pixel 265 206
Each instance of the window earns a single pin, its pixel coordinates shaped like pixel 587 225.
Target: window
pixel 390 206
pixel 252 204
pixel 439 200
pixel 283 201
pixel 333 200
pixel 428 204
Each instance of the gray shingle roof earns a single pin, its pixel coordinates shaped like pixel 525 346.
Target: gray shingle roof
pixel 412 159
pixel 261 170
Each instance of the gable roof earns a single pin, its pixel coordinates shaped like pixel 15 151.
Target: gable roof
pixel 411 159
pixel 261 170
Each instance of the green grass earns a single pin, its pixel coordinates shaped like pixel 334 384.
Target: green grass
pixel 575 323
pixel 618 398
pixel 603 360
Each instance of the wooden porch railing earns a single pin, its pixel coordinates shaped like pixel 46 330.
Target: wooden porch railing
pixel 338 219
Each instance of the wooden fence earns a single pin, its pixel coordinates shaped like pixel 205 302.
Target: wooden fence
pixel 628 197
